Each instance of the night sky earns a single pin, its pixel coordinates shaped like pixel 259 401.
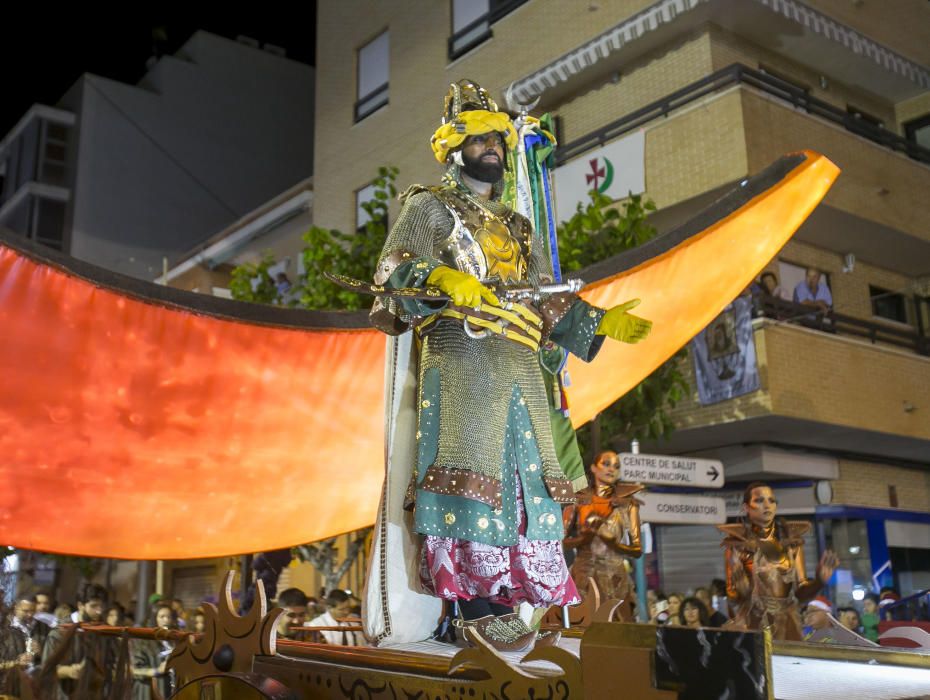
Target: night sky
pixel 41 61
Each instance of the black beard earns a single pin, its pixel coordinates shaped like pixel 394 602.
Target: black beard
pixel 482 171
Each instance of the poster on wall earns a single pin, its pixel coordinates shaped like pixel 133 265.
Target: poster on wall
pixel 724 354
pixel 616 170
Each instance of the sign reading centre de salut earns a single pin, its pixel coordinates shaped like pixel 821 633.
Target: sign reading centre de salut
pixel 669 470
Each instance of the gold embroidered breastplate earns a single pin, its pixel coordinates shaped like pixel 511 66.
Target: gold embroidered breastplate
pixel 484 243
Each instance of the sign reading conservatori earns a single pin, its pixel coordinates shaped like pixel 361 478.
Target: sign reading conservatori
pixel 682 508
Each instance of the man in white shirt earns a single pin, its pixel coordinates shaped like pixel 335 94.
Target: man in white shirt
pixel 339 606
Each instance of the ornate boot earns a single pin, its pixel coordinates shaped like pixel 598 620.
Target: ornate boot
pixel 548 639
pixel 504 633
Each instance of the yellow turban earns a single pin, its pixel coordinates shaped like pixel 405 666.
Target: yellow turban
pixel 450 135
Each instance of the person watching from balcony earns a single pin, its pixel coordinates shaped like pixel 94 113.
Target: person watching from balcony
pixel 768 284
pixel 813 291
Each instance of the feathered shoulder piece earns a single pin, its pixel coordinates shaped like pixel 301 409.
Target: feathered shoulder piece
pixel 741 536
pixel 621 493
pixel 793 532
pixel 738 536
pixel 626 492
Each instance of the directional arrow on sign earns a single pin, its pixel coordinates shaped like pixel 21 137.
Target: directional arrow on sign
pixel 670 470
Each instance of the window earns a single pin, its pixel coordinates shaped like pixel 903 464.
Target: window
pixel 472 20
pixel 40 219
pixel 365 194
pixel 55 152
pixel 850 540
pixel 49 222
pixel 372 89
pixel 887 304
pixel 17 219
pixel 28 154
pixel 918 131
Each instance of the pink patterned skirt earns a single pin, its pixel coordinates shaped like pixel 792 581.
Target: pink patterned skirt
pixel 531 571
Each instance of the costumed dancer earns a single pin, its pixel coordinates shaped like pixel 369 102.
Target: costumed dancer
pixel 603 528
pixel 766 578
pixel 488 486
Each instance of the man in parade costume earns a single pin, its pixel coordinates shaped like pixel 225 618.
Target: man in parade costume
pixel 487 486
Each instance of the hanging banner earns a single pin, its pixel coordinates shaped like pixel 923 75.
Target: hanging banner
pixel 725 355
pixel 615 170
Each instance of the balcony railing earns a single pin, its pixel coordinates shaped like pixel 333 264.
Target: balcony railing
pixel 833 322
pixel 738 74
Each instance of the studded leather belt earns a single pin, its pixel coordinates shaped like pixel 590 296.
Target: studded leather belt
pixel 513 321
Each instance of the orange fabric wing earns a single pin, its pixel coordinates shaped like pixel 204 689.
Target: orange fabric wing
pixel 134 427
pixel 143 422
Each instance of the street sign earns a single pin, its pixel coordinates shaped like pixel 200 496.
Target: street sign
pixel 671 471
pixel 682 509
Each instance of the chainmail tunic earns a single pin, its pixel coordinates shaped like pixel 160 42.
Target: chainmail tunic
pixel 493 415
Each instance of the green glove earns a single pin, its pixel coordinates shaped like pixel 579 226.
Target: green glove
pixel 620 325
pixel 464 289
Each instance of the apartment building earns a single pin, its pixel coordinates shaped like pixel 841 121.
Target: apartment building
pixel 704 93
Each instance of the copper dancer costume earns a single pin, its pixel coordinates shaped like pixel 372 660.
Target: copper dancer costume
pixel 766 579
pixel 603 527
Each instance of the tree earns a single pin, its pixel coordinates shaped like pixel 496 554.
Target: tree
pixel 597 231
pixel 324 556
pixel 327 250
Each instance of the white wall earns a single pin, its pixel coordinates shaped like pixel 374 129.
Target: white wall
pixel 205 138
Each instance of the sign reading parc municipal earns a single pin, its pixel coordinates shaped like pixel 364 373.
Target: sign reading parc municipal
pixel 671 471
pixel 682 509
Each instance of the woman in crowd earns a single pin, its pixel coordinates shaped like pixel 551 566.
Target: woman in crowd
pixel 674 609
pixel 149 656
pixel 694 613
pixel 116 616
